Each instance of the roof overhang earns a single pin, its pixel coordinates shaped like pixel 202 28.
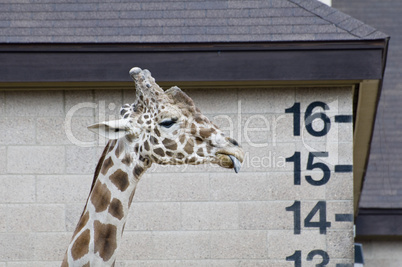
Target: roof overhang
pixel 359 64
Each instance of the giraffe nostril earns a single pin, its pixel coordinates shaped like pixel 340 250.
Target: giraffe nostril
pixel 234 142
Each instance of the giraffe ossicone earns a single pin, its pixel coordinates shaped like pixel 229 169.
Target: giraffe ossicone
pixel 160 127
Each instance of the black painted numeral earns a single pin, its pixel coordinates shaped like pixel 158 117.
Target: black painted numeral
pixel 295 109
pixel 319 252
pixel 318 165
pixel 295 158
pixel 322 223
pixel 296 167
pixel 297 257
pixel 309 117
pixel 296 217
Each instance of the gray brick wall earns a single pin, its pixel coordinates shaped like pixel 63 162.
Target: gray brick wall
pixel 182 215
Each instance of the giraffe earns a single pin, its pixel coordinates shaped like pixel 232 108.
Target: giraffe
pixel 161 127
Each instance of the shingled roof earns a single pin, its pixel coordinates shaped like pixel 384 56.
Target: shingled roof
pixel 144 21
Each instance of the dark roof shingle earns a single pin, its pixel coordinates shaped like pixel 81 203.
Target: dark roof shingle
pixel 43 21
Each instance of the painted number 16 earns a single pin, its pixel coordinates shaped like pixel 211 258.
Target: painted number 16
pixel 309 117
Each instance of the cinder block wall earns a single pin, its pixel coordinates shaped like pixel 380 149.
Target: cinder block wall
pixel 182 215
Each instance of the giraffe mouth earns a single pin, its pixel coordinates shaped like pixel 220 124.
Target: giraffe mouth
pixel 229 161
pixel 236 163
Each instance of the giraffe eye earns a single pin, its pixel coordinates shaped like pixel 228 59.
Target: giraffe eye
pixel 167 123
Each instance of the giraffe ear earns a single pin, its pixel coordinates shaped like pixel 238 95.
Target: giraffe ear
pixel 111 129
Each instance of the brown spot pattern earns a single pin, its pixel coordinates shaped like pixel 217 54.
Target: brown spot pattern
pixel 153 140
pixel 120 179
pixel 146 145
pixel 200 152
pixel 100 197
pixel 127 159
pixel 81 245
pixel 159 151
pixel 193 129
pixel 157 132
pixel 105 240
pixel 189 147
pixel 116 209
pixel 138 170
pixel 169 144
pixel 112 144
pixel 119 149
pixel 83 221
pixel 107 164
pixel 205 132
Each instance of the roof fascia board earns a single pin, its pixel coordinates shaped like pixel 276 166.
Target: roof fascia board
pixel 309 61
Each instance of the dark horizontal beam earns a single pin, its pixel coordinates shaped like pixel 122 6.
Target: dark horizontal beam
pixel 379 222
pixel 85 63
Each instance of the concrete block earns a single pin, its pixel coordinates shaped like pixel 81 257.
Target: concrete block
pixel 54 252
pixel 263 263
pixel 73 213
pixel 177 263
pixel 182 245
pixel 283 243
pixel 267 158
pixel 79 103
pixel 3 159
pixel 211 101
pixel 63 131
pixel 17 246
pixel 108 104
pixel 81 160
pixel 34 264
pixel 183 187
pixel 266 100
pixel 340 244
pixel 338 153
pixel 340 187
pixel 242 186
pixel 34 103
pixel 17 131
pixel 35 159
pixel 154 216
pixel 270 128
pixel 17 188
pixel 63 188
pixel 338 99
pixel 265 215
pixel 281 187
pixel 51 130
pixel 137 245
pixel 340 207
pixel 33 218
pixel 239 245
pixel 209 215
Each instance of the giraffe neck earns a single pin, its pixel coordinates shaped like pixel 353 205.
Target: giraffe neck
pixel 100 228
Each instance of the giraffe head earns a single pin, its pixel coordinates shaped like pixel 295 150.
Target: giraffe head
pixel 165 127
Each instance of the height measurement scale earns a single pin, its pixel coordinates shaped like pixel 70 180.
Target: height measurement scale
pixel 315 168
